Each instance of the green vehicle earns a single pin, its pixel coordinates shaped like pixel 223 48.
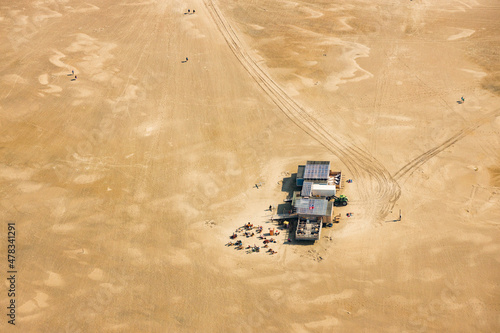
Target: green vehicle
pixel 340 201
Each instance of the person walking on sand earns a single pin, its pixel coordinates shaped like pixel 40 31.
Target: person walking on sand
pixel 187 59
pixel 73 72
pixel 463 99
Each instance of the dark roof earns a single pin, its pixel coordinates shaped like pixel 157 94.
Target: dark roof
pixel 300 171
pixel 317 170
pixel 319 207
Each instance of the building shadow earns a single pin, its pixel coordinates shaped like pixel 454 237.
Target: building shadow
pixel 288 185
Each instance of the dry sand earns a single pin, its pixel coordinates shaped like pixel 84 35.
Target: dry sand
pixel 126 182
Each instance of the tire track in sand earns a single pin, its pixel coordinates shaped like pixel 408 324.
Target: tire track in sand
pixel 377 188
pixel 411 166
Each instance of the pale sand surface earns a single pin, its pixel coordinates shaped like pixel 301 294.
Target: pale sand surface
pixel 126 183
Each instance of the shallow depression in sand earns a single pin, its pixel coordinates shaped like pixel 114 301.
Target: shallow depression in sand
pixel 464 33
pixel 54 280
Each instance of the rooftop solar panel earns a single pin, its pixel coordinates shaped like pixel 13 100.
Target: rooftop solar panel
pixel 317 170
pixel 306 189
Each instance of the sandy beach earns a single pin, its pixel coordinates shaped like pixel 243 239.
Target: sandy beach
pixel 133 134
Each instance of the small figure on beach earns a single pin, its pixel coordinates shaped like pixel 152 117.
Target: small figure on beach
pixel 463 99
pixel 76 77
pixel 270 208
pixel 187 59
pixel 194 11
pixel 189 10
pixel 73 72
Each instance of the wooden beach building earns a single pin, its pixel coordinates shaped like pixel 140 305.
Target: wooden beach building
pixel 312 203
pixel 312 213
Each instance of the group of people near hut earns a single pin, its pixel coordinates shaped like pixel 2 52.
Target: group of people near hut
pixel 247 231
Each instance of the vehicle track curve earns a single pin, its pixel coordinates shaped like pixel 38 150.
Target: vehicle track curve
pixel 411 166
pixel 375 184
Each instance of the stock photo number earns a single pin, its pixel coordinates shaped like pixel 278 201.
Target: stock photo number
pixel 11 272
